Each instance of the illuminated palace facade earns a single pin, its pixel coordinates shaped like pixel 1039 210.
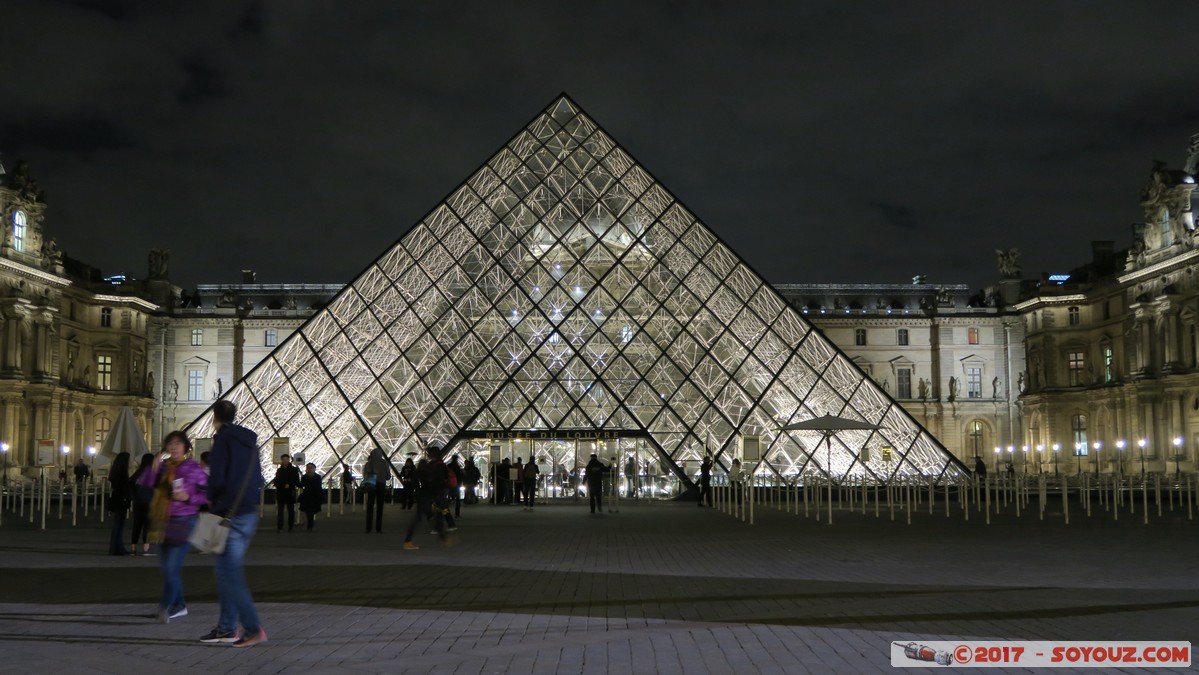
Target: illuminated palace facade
pixel 515 319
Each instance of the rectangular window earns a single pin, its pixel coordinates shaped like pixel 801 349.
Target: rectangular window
pixel 271 338
pixel 197 337
pixel 901 337
pixel 972 336
pixel 195 385
pixel 903 378
pixel 106 317
pixel 859 337
pixel 974 383
pixel 1076 364
pixel 1107 363
pixel 1074 316
pixel 104 373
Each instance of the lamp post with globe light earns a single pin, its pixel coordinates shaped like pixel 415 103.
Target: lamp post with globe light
pixel 1098 445
pixel 1078 454
pixel 1057 448
pixel 1177 456
pixel 1040 459
pixel 1141 443
pixel 1120 457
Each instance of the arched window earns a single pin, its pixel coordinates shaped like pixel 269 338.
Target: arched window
pixel 1078 427
pixel 103 426
pixel 18 230
pixel 975 438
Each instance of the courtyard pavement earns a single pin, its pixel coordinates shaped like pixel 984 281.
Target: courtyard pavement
pixel 655 588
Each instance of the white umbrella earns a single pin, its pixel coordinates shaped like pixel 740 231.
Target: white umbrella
pixel 125 436
pixel 829 425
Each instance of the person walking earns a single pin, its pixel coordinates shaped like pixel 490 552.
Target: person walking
pixel 705 481
pixel 408 485
pixel 735 479
pixel 380 468
pixel 431 475
pixel 594 473
pixel 234 489
pixel 312 495
pixel 347 483
pixel 630 476
pixel 118 503
pixel 980 467
pixel 178 483
pixel 286 480
pixel 455 491
pixel 532 471
pixel 142 496
pixel 82 473
pixel 472 475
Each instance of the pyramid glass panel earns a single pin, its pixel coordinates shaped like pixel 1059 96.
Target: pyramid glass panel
pixel 561 290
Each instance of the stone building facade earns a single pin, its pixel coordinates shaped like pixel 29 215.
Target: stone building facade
pixel 72 347
pixel 1112 346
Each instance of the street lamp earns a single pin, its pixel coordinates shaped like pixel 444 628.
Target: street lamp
pixel 1011 459
pixel 4 451
pixel 1177 455
pixel 1097 445
pixel 1141 444
pixel 1120 457
pixel 997 451
pixel 1057 447
pixel 1078 454
pixel 1024 461
pixel 1040 458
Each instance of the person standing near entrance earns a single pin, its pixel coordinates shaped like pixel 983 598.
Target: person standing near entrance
pixel 980 467
pixel 313 495
pixel 531 472
pixel 472 475
pixel 455 467
pixel 630 476
pixel 502 484
pixel 377 466
pixel 705 481
pixel 234 465
pixel 517 476
pixel 347 483
pixel 286 480
pixel 118 503
pixel 594 472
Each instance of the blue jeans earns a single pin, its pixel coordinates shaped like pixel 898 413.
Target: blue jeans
pixel 170 559
pixel 234 595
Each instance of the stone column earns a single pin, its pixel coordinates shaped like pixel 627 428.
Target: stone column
pixel 43 360
pixel 14 311
pixel 1166 317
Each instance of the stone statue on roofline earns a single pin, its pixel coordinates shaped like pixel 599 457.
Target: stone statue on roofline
pixel 1009 263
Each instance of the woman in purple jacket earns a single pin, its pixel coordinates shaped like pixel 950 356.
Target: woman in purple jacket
pixel 179 484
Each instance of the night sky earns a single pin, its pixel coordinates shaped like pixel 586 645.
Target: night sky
pixel 826 142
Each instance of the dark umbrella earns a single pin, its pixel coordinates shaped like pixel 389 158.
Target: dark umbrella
pixel 829 425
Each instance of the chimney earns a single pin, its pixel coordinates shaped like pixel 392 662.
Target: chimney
pixel 248 276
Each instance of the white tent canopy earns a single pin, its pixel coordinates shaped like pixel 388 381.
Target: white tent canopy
pixel 126 436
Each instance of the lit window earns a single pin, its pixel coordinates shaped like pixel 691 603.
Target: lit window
pixel 106 317
pixel 1107 363
pixel 195 385
pixel 1078 427
pixel 972 336
pixel 271 338
pixel 903 379
pixel 974 383
pixel 859 337
pixel 197 337
pixel 103 426
pixel 1073 316
pixel 104 373
pixel 18 230
pixel 902 337
pixel 974 433
pixel 1076 364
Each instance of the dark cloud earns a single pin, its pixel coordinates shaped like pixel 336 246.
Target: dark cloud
pixel 910 138
pixel 202 82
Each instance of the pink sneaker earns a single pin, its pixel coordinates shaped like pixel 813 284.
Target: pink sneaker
pixel 251 639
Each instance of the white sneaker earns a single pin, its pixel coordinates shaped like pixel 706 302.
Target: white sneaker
pixel 182 611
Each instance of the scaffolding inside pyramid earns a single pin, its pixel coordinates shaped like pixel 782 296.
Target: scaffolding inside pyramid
pixel 562 292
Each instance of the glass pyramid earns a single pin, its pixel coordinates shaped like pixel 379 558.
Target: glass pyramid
pixel 562 291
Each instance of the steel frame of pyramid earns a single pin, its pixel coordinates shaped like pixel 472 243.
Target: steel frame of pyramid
pixel 562 290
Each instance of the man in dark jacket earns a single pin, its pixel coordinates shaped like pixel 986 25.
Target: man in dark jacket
pixel 431 474
pixel 595 482
pixel 705 481
pixel 235 464
pixel 286 480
